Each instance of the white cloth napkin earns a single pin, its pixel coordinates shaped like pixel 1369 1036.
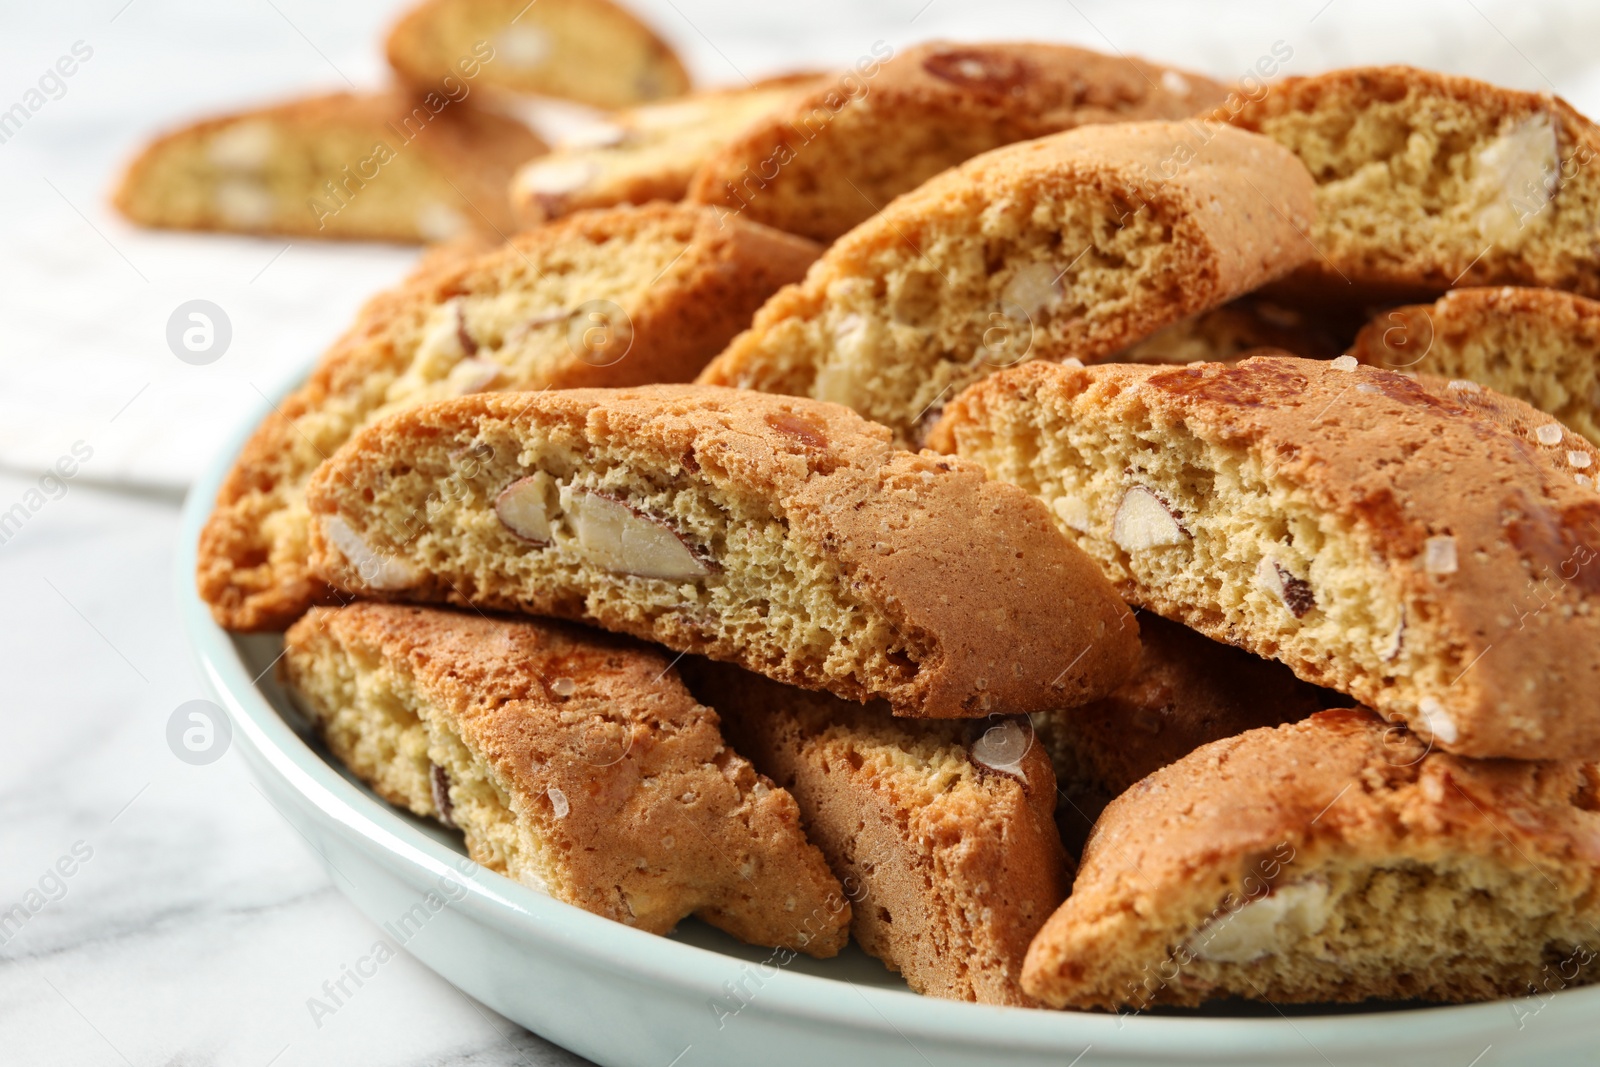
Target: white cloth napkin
pixel 85 298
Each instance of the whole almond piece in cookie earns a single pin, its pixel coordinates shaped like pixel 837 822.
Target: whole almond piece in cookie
pixel 616 297
pixel 1072 246
pixel 941 832
pixel 1427 181
pixel 1427 547
pixel 781 534
pixel 573 761
pixel 833 157
pixel 1333 860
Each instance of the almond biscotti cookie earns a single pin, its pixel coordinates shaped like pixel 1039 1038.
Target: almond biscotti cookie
pixel 941 832
pixel 373 166
pixel 1187 691
pixel 1334 860
pixel 834 157
pixel 1427 547
pixel 1427 181
pixel 1071 246
pixel 572 761
pixel 782 534
pixel 644 153
pixel 602 298
pixel 592 51
pixel 1538 345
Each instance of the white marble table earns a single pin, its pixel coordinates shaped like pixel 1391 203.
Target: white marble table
pixel 155 912
pixel 194 925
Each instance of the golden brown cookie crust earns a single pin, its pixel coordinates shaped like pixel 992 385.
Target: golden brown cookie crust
pixel 1072 246
pixel 828 558
pixel 1426 547
pixel 1395 871
pixel 952 863
pixel 622 797
pixel 253 550
pixel 839 154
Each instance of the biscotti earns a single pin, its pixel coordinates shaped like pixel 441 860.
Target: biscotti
pixel 1334 860
pixel 572 761
pixel 1427 181
pixel 1420 545
pixel 781 534
pixel 1541 346
pixel 837 155
pixel 644 153
pixel 602 298
pixel 940 832
pixel 1070 246
pixel 591 51
pixel 1187 691
pixel 374 166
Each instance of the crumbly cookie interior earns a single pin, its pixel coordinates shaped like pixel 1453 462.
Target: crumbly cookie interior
pixel 257 174
pixel 1214 539
pixel 523 331
pixel 1449 928
pixel 374 719
pixel 1421 177
pixel 1546 362
pixel 767 597
pixel 1030 275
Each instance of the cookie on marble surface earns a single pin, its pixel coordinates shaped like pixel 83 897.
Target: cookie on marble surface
pixel 370 166
pixel 613 297
pixel 837 155
pixel 572 761
pixel 940 832
pixel 1427 547
pixel 644 153
pixel 591 51
pixel 1071 246
pixel 782 534
pixel 1187 691
pixel 1337 859
pixel 1427 181
pixel 1541 346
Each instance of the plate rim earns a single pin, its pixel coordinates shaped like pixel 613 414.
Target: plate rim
pixel 495 900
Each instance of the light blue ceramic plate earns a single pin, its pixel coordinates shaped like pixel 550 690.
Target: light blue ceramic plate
pixel 629 999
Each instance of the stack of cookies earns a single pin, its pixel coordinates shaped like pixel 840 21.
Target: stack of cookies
pixel 1039 515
